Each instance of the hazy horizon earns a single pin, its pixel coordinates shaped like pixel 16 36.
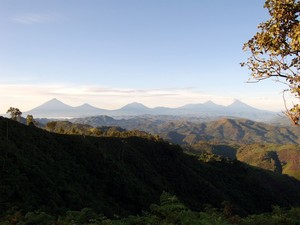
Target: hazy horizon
pixel 129 103
pixel 110 53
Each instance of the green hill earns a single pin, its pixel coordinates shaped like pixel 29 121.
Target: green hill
pixel 278 158
pixel 121 176
pixel 283 158
pixel 229 131
pixel 191 131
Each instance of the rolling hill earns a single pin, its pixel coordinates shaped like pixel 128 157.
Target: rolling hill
pixel 283 159
pixel 121 176
pixel 223 130
pixel 258 144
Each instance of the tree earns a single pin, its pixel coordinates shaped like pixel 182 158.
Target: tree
pixel 30 120
pixel 275 49
pixel 15 113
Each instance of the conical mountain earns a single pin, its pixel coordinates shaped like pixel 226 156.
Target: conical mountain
pixel 202 106
pixel 238 105
pixel 89 110
pixel 242 110
pixel 53 104
pixel 133 108
pixel 53 107
pixel 134 105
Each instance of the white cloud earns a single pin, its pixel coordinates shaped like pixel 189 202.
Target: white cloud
pixel 35 18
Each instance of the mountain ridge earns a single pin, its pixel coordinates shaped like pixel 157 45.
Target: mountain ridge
pixel 122 176
pixel 55 108
pixel 220 130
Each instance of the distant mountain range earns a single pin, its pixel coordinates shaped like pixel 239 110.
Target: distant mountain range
pixel 57 109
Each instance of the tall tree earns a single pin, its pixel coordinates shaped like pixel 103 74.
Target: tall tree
pixel 275 49
pixel 30 120
pixel 15 113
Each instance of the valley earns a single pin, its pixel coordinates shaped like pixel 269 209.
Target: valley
pixel 127 112
pixel 123 173
pixel 115 167
pixel 248 141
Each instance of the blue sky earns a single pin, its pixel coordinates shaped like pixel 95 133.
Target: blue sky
pixel 112 52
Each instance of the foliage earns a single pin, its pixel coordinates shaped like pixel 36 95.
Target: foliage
pixel 275 48
pixel 15 113
pixel 221 131
pixel 168 212
pixel 30 121
pixel 66 127
pixel 278 158
pixel 278 216
pixel 225 138
pixel 116 177
pixel 283 159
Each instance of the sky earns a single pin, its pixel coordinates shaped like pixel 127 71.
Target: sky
pixel 109 53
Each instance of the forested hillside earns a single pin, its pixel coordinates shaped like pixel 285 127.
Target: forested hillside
pixel 185 131
pixel 278 158
pixel 122 176
pixel 281 158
